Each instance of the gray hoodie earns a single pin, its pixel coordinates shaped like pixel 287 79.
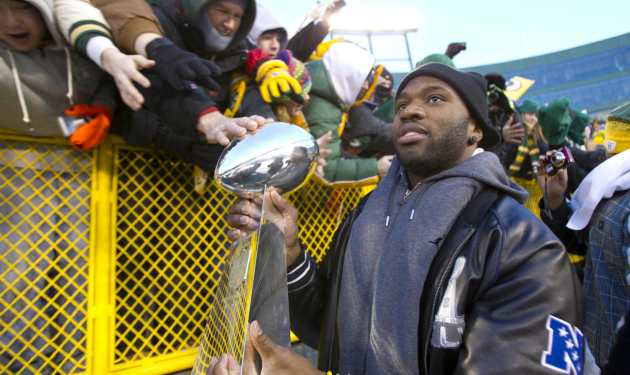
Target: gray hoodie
pixel 392 244
pixel 37 86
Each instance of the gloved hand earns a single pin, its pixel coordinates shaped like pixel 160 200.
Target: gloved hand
pixel 91 134
pixel 179 67
pixel 454 49
pixel 274 80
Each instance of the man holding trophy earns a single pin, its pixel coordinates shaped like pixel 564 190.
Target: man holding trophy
pixel 440 270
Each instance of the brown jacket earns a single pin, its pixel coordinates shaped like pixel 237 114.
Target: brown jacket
pixel 128 20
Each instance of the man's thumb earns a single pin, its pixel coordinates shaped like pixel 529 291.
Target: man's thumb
pixel 262 343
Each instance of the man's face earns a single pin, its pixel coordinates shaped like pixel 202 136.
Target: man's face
pixel 269 43
pixel 431 128
pixel 21 25
pixel 225 17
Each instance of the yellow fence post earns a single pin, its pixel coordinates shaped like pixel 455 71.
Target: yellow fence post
pixel 102 273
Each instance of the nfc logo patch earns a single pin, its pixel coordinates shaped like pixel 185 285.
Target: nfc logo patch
pixel 565 347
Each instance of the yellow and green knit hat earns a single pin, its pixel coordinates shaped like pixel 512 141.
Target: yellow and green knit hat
pixel 554 119
pixel 617 132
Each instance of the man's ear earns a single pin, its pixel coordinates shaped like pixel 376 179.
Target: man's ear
pixel 475 134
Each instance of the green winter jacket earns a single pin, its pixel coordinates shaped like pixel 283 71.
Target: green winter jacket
pixel 323 114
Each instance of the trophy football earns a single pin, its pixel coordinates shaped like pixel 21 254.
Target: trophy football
pixel 253 284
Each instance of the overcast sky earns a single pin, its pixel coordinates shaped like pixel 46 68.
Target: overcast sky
pixel 494 30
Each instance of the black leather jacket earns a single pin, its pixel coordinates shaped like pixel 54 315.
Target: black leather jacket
pixel 515 275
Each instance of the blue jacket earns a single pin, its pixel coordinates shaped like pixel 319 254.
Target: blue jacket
pixel 606 288
pixel 607 292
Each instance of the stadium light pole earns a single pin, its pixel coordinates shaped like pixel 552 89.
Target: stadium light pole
pixel 369 33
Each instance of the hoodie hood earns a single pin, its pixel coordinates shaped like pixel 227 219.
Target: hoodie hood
pixel 265 21
pixel 485 168
pixel 191 11
pixel 348 66
pixel 46 9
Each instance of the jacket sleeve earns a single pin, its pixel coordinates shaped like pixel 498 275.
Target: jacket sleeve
pixel 506 152
pixel 253 104
pixel 128 19
pixel 146 129
pixel 526 314
pixel 362 122
pixel 574 242
pixel 589 160
pixel 307 286
pixel 305 41
pixel 179 110
pixel 322 116
pixel 79 22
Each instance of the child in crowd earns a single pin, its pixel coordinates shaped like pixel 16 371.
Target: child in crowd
pixel 342 79
pixel 43 78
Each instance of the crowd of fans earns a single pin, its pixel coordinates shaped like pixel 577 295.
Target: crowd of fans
pixel 189 76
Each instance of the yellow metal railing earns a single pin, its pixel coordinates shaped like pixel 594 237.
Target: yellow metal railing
pixel 110 259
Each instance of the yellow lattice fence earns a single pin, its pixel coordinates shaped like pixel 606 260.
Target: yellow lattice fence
pixel 110 259
pixel 45 215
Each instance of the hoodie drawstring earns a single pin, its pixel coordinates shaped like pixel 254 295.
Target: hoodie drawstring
pixel 70 92
pixel 18 84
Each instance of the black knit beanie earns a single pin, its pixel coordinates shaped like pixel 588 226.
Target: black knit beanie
pixel 241 3
pixel 471 88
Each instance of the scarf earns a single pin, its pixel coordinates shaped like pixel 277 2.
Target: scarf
pixel 213 40
pixel 527 147
pixel 609 177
